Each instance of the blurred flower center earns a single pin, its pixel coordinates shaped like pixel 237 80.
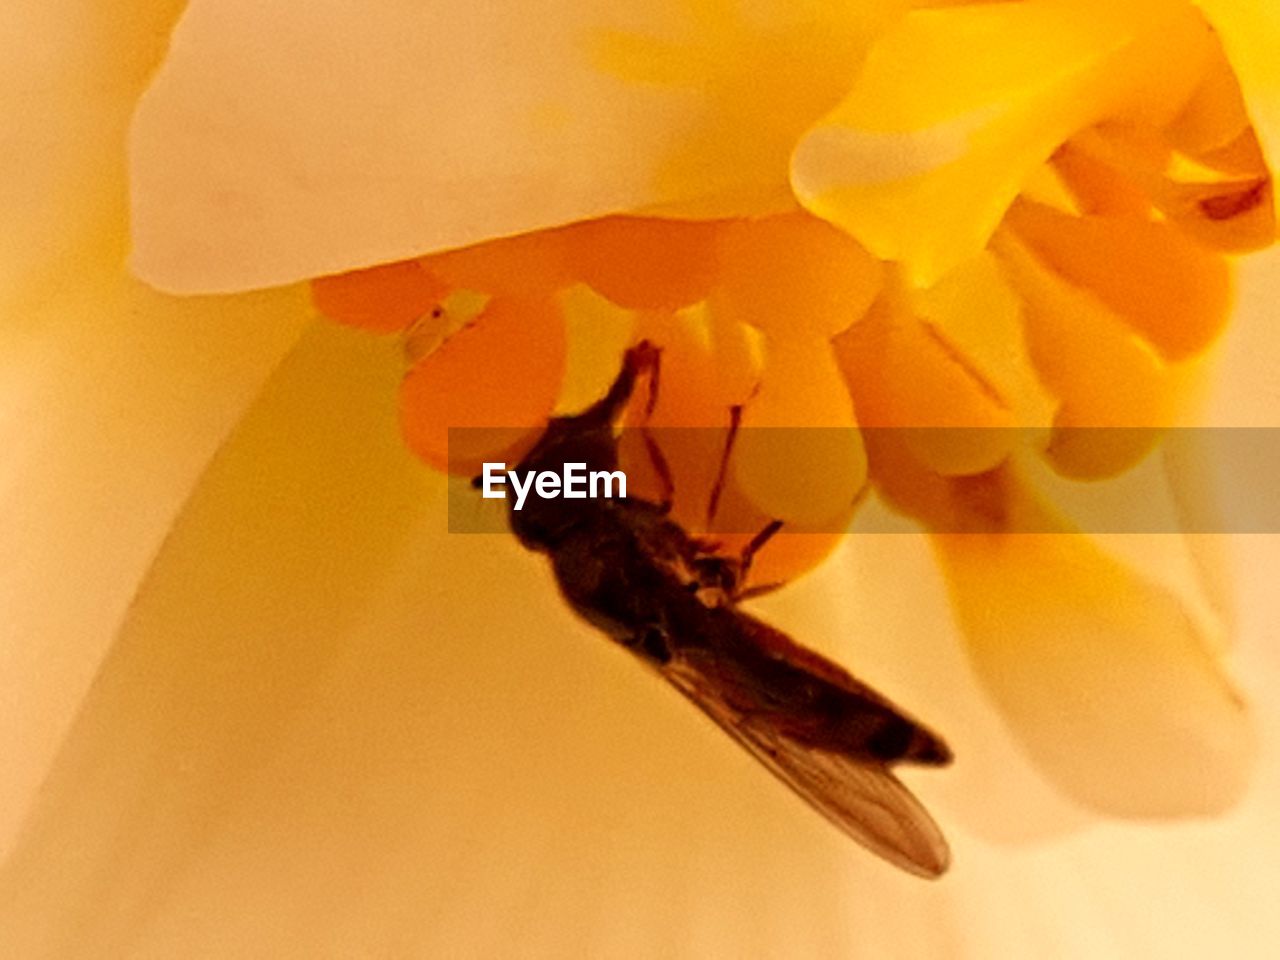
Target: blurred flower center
pixel 1071 332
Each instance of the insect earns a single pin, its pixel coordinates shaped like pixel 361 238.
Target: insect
pixel 638 576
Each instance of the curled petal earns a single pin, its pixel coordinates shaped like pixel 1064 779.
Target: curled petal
pixel 1115 393
pixel 922 158
pixel 1250 33
pixel 1168 290
pixel 274 146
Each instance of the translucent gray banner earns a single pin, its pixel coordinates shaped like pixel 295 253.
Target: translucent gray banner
pixel 963 480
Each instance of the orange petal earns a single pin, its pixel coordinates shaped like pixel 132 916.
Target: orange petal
pixel 794 274
pixel 529 264
pixel 689 423
pixel 645 263
pixel 487 390
pixel 1173 292
pixel 384 299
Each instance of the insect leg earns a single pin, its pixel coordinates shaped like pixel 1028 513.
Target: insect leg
pixel 661 468
pixel 645 356
pixel 651 357
pixel 757 591
pixel 717 489
pixel 748 554
pixel 758 541
pixel 724 576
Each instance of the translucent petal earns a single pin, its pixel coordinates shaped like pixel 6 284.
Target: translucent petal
pixel 274 146
pixel 110 406
pixel 112 397
pixel 1239 391
pixel 1104 675
pixel 957 106
pixel 1196 486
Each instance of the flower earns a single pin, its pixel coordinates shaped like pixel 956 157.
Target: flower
pixel 299 745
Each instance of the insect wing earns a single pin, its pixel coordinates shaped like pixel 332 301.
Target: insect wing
pixel 864 799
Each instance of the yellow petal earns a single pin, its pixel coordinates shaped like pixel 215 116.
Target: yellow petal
pixel 957 106
pixel 1116 394
pixel 69 74
pixel 331 728
pixel 799 457
pixel 981 389
pixel 274 147
pixel 112 397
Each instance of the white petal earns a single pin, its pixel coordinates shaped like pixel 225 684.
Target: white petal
pixel 279 143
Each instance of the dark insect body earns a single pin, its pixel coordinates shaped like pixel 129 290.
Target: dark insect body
pixel 636 575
